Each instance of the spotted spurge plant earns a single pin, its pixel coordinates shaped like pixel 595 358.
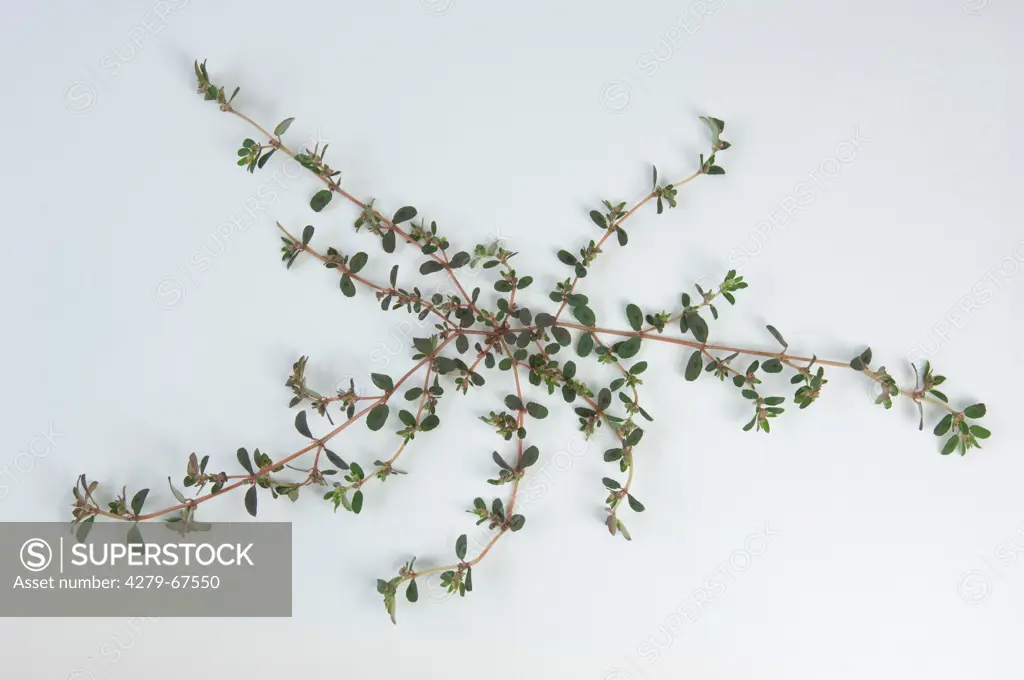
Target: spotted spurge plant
pixel 473 331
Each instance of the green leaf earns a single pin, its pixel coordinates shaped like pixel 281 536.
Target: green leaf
pixel 516 522
pixel 610 483
pixel 943 426
pixel 772 366
pixel 585 345
pixel 387 242
pixel 301 425
pixel 444 364
pixel 612 455
pixel 383 381
pixel 716 126
pixel 357 502
pixel 264 158
pixel 537 410
pixel 500 462
pixel 250 500
pixel 698 326
pixel 412 593
pixel 599 219
pixel 357 262
pixel 584 315
pixel 348 288
pixel 604 399
pixel 320 200
pixel 694 366
pixel 530 456
pixel 404 214
pixel 544 320
pixel 335 459
pixel 565 257
pixel 778 336
pixel 634 316
pixel 429 423
pixel 174 490
pixel 283 126
pixel 357 472
pixel 950 445
pixel 561 336
pixel 459 260
pixel 307 234
pixel 628 348
pixel 460 547
pixel 634 503
pixel 138 500
pixel 513 402
pixel 377 417
pixel 979 432
pixel 243 457
pixel 860 362
pixel 569 370
pixel 430 267
pixel 975 411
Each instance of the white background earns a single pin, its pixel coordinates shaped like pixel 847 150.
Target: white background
pixel 146 315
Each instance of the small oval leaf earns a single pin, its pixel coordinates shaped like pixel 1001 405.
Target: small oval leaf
pixel 377 417
pixel 694 366
pixel 320 200
pixel 460 547
pixel 250 500
pixel 301 425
